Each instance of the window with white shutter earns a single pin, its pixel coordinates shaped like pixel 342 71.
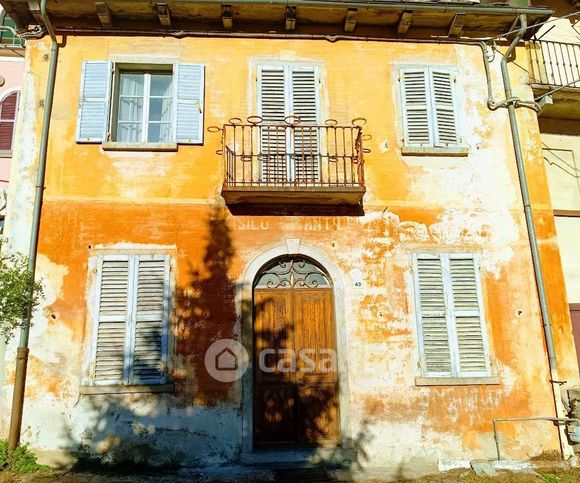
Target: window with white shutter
pixel 95 97
pixel 289 154
pixel 429 104
pixel 452 334
pixel 125 103
pixel 131 319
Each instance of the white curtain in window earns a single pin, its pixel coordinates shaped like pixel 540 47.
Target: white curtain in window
pixel 131 92
pixel 161 91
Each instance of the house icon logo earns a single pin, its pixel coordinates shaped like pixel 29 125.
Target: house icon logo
pixel 226 360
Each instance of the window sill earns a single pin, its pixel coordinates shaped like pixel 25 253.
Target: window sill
pixel 122 389
pixel 4 153
pixel 115 146
pixel 455 151
pixel 457 381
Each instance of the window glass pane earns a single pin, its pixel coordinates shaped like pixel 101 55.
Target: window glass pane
pixel 129 132
pixel 160 110
pixel 161 85
pixel 159 133
pixel 130 109
pixel 132 84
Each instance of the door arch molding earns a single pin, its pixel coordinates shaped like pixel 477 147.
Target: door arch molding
pixel 244 308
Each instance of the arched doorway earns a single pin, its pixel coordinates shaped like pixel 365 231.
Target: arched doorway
pixel 295 363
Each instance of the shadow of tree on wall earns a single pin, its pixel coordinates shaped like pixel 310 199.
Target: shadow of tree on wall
pixel 205 312
pixel 155 430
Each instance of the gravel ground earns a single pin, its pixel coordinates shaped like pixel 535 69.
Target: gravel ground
pixel 548 475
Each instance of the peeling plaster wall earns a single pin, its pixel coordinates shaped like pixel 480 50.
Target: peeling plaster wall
pixel 412 204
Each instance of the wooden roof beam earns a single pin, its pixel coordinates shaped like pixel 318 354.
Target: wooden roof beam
pixel 227 17
pixel 290 18
pixel 456 25
pixel 405 22
pixel 164 14
pixel 350 21
pixel 104 14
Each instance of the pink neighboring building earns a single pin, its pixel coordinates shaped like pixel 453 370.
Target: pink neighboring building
pixel 11 73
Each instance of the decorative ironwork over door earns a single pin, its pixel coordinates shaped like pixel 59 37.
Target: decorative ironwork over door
pixel 291 272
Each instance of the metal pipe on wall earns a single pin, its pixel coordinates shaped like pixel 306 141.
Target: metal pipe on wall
pixel 22 351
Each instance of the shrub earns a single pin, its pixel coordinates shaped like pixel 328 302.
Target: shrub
pixel 18 291
pixel 21 461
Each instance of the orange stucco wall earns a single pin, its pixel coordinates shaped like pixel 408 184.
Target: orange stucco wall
pixel 98 199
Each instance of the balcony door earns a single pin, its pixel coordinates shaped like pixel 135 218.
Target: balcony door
pixel 288 100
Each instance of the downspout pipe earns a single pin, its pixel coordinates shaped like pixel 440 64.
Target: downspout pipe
pixel 512 103
pixel 22 351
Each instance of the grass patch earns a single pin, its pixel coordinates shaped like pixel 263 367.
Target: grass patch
pixel 22 460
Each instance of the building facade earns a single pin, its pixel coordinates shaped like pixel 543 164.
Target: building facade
pixel 340 212
pixel 12 71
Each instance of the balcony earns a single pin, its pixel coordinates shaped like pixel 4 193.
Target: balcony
pixel 555 68
pixel 292 163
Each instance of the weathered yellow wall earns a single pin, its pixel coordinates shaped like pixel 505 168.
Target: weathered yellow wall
pixel 412 204
pixel 562 158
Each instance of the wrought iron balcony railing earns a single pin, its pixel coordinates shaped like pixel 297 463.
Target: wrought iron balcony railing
pixel 554 64
pixel 291 157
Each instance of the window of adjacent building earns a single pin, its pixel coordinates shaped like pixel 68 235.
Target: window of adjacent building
pixel 289 92
pixel 6 36
pixel 429 107
pixel 452 334
pixel 131 319
pixel 125 104
pixel 8 111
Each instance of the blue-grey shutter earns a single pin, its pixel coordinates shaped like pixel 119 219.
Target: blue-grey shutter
pixel 112 319
pixel 305 106
pixel 443 96
pixel 272 102
pixel 432 309
pixel 471 344
pixel 95 97
pixel 151 319
pixel 417 121
pixel 189 100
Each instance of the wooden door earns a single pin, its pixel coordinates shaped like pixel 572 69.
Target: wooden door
pixel 295 368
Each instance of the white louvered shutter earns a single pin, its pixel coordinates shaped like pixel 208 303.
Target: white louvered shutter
pixel 467 315
pixel 150 324
pixel 112 319
pixel 443 108
pixel 433 316
pixel 416 112
pixel 304 105
pixel 189 100
pixel 272 93
pixel 95 96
